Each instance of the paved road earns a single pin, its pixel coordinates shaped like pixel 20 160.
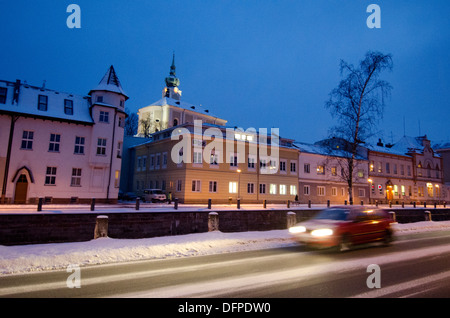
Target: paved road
pixel 414 267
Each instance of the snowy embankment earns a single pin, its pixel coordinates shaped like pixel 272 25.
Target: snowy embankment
pixel 40 257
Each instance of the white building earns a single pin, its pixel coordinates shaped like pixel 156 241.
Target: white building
pixel 61 146
pixel 170 110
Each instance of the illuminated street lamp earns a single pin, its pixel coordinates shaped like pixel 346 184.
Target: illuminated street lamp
pixel 370 187
pixel 239 183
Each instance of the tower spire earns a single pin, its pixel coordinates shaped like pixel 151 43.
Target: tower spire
pixel 172 80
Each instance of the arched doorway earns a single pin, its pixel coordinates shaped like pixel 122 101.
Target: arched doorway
pixel 20 195
pixel 389 191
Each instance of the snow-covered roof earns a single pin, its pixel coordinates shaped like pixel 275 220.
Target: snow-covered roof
pixel 409 144
pixel 28 99
pixel 324 150
pixel 110 83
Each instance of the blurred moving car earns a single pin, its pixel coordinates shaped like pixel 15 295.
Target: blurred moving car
pixel 154 195
pixel 343 227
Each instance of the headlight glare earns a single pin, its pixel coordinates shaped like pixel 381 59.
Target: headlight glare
pixel 322 232
pixel 297 229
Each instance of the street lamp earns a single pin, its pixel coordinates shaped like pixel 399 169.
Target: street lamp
pixel 239 183
pixel 370 187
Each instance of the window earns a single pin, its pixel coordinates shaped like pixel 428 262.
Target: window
pixel 283 189
pixel 3 91
pixel 262 163
pixel 250 188
pixel 408 170
pixel 101 146
pixel 388 168
pixel 262 188
pixel 420 191
pixel 119 149
pixel 68 107
pixel 333 171
pixel 395 168
pixel 251 162
pixel 42 102
pixel 402 188
pixel 27 140
pixel 380 167
pixel 360 173
pixel 54 142
pixel 122 103
pixel 213 186
pixel 293 190
pixel 164 163
pixel 196 185
pixel 214 159
pixel 372 166
pixel 273 188
pixel 361 193
pixel 402 170
pixel 320 170
pixel 144 163
pixel 320 190
pixel 306 190
pixel 198 157
pixel 117 179
pixel 293 166
pixel 233 160
pixel 334 191
pixel 50 176
pixel 282 165
pixel 99 99
pixel 104 117
pixel 158 161
pixel 75 181
pixel 179 185
pixel 79 145
pixel 232 187
pixel 306 168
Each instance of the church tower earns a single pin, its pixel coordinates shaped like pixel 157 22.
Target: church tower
pixel 172 82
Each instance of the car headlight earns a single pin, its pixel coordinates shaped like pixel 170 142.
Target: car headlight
pixel 322 232
pixel 297 229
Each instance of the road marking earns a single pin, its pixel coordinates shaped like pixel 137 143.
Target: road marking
pixel 384 291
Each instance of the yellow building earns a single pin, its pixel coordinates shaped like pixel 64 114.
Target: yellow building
pixel 198 161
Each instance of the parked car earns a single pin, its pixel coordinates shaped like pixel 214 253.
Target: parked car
pixel 154 195
pixel 129 196
pixel 343 227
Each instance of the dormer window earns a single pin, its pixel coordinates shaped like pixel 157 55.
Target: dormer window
pixel 42 102
pixel 3 91
pixel 68 107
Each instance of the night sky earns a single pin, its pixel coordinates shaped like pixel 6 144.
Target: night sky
pixel 256 63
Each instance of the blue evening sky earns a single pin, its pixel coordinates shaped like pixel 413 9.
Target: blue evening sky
pixel 256 63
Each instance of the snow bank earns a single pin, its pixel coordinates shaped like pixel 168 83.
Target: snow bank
pixel 30 258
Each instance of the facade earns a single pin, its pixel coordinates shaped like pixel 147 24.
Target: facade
pixel 229 166
pixel 60 146
pixel 408 171
pixel 171 111
pixel 323 172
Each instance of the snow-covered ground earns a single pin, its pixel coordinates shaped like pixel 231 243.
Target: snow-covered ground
pixel 40 257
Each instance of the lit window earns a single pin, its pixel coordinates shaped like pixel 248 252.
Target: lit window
pixel 293 190
pixel 273 188
pixel 232 187
pixel 282 189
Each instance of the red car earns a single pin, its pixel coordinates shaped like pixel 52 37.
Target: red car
pixel 343 227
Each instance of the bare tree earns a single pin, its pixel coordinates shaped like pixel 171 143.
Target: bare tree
pixel 131 123
pixel 358 104
pixel 146 125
